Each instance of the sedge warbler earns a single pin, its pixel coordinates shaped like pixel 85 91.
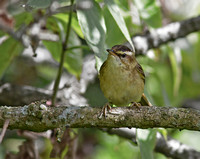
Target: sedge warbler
pixel 122 78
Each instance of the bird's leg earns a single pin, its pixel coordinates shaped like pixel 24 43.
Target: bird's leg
pixel 104 110
pixel 135 104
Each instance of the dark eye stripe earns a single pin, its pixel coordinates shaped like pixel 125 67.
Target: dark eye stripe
pixel 123 55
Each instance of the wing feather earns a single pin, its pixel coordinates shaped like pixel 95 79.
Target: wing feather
pixel 141 72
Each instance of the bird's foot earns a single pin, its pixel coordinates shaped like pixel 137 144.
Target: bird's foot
pixel 106 108
pixel 135 105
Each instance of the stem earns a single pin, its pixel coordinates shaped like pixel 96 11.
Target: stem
pixel 5 126
pixel 62 57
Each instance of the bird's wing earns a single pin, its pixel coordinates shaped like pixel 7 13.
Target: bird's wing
pixel 141 72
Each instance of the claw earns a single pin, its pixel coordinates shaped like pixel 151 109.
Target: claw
pixel 106 108
pixel 135 105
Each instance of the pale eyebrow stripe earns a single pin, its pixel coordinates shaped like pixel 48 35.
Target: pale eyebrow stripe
pixel 129 53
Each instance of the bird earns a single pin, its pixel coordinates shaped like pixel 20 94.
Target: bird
pixel 122 79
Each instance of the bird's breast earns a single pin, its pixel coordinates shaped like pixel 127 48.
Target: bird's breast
pixel 121 85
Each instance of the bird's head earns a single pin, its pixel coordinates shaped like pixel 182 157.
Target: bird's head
pixel 121 55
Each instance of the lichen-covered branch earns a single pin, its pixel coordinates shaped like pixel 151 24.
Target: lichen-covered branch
pixel 170 32
pixel 39 117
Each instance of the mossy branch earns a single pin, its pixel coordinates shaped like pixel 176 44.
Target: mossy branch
pixel 40 117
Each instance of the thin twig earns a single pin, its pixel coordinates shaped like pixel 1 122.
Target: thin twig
pixel 62 58
pixel 5 126
pixel 15 35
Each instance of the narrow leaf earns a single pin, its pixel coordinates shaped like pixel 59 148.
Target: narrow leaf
pixel 8 50
pixel 75 25
pixel 175 59
pixel 74 60
pixel 93 28
pixel 114 35
pixel 54 48
pixel 146 139
pixel 115 12
pixel 39 4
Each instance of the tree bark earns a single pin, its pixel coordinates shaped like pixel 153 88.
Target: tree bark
pixel 40 117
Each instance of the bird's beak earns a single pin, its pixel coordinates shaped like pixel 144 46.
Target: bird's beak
pixel 110 51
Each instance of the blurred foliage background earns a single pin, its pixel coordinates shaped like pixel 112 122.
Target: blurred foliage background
pixel 172 70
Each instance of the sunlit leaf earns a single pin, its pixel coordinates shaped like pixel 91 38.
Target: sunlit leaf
pixel 149 12
pixel 73 58
pixel 115 12
pixel 93 28
pixel 62 29
pixel 75 24
pixel 131 18
pixel 146 139
pixel 114 35
pixel 8 50
pixel 163 132
pixel 76 27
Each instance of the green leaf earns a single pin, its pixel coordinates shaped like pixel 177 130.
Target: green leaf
pixel 57 26
pixel 39 3
pixel 93 28
pixel 73 59
pixel 176 68
pixel 62 29
pixel 132 21
pixel 23 18
pixel 163 132
pixel 115 12
pixel 146 139
pixel 8 50
pixel 54 48
pixel 114 35
pixel 76 27
pixel 75 24
pixel 149 12
pixel 42 3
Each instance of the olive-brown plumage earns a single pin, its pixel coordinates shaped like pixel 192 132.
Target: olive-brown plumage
pixel 122 78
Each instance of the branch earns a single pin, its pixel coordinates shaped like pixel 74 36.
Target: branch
pixel 39 117
pixel 11 94
pixel 175 149
pixel 170 147
pixel 170 32
pixel 18 35
pixel 62 58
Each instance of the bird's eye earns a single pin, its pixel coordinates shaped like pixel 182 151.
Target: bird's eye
pixel 123 55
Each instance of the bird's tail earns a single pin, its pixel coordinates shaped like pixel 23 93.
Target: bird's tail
pixel 144 101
